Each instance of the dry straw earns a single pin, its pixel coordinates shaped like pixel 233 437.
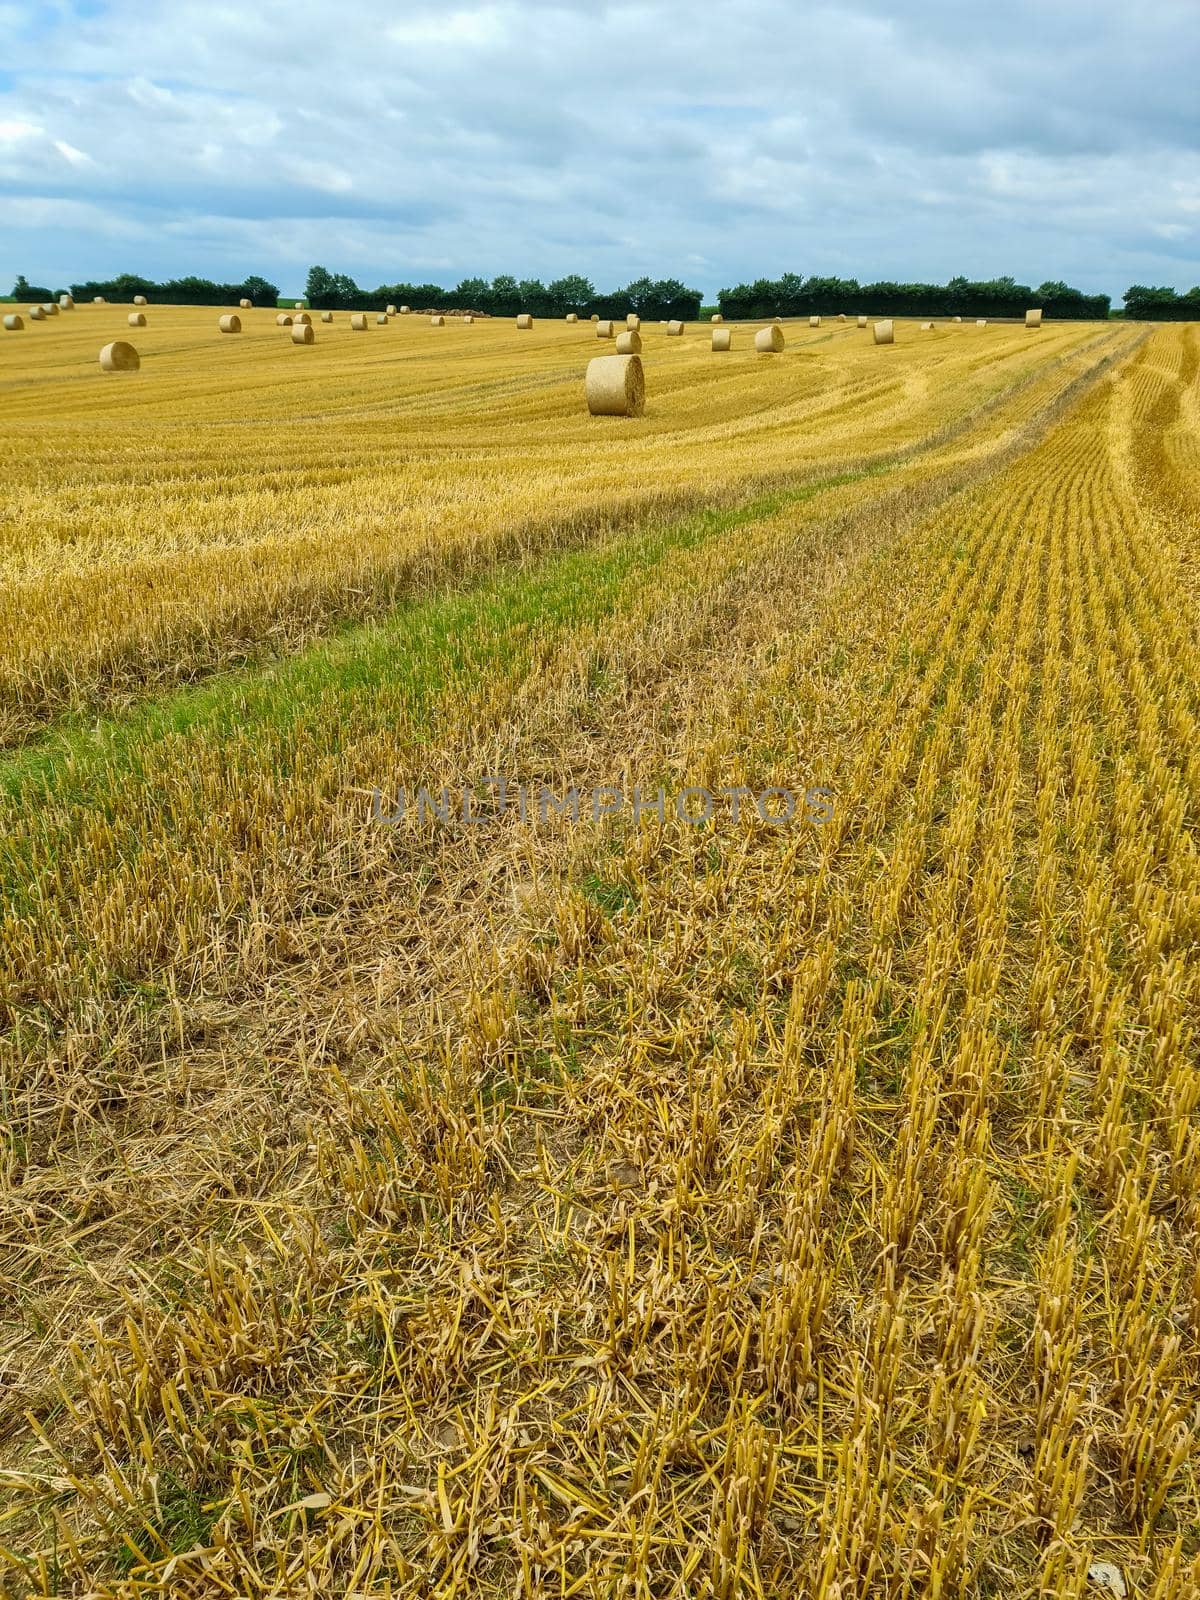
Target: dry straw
pixel 674 328
pixel 958 319
pixel 327 316
pixel 302 316
pixel 12 322
pixel 283 320
pixel 524 320
pixel 1033 319
pixel 885 332
pixel 245 305
pixel 616 386
pixel 927 327
pixel 359 322
pixel 595 316
pixel 981 322
pixel 571 317
pixel 722 338
pixel 381 320
pixel 50 309
pixel 862 322
pixel 66 302
pixel 391 310
pixel 119 357
pixel 629 343
pixel 99 300
pixel 716 317
pixel 814 322
pixel 229 323
pixel 604 330
pixel 36 314
pixel 633 321
pixel 302 333
pixel 769 341
pixel 468 319
pixel 136 319
pixel 139 300
pixel 437 322
pixel 404 310
pixel 299 306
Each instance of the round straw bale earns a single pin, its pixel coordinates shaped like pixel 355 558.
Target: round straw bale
pixel 13 322
pixel 629 343
pixel 841 316
pixel 981 322
pixel 861 321
pixel 404 310
pixel 885 332
pixel 229 323
pixel 595 316
pixel 299 306
pixel 119 357
pixel 381 320
pixel 633 321
pixel 36 314
pixel 604 330
pixel 958 319
pixel 927 327
pixel 391 310
pixel 674 328
pixel 302 333
pixel 722 338
pixel 283 320
pixel 468 318
pixel 301 316
pixel 571 317
pixel 716 317
pixel 327 316
pixel 245 305
pixel 99 300
pixel 1033 319
pixel 768 341
pixel 139 300
pixel 616 386
pixel 437 322
pixel 359 322
pixel 814 322
pixel 136 319
pixel 66 302
pixel 524 320
pixel 50 309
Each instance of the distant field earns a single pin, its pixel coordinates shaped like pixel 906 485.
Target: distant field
pixel 628 1207
pixel 240 493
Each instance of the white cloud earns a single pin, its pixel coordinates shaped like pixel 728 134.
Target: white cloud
pixel 544 136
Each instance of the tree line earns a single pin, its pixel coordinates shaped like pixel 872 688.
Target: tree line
pixel 1162 305
pixel 788 296
pixel 794 296
pixel 175 292
pixel 505 296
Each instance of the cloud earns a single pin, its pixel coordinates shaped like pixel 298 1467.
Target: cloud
pixel 545 136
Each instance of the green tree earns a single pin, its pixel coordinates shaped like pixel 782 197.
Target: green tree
pixel 320 287
pixel 22 290
pixel 571 293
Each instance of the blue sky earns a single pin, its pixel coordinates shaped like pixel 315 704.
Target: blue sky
pixel 719 143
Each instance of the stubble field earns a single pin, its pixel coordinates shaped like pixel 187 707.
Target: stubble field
pixel 622 1207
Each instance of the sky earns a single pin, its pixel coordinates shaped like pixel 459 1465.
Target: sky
pixel 716 143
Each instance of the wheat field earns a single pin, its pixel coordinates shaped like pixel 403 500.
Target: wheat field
pixel 630 1207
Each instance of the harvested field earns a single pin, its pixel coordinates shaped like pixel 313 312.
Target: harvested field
pixel 630 1206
